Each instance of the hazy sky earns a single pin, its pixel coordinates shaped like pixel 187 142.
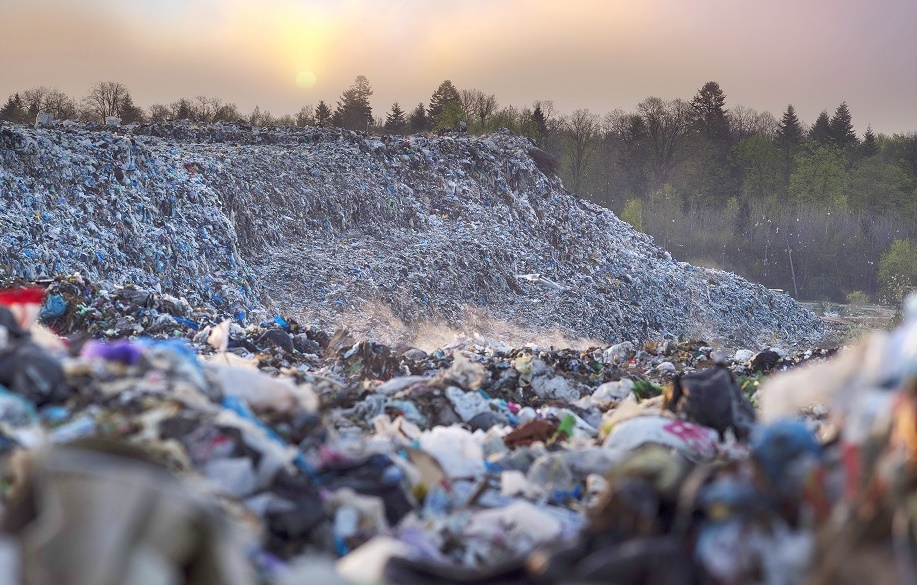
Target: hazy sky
pixel 601 54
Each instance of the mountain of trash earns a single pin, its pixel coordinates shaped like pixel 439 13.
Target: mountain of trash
pixel 320 224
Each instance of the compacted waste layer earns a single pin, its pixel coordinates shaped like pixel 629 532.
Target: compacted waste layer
pixel 321 224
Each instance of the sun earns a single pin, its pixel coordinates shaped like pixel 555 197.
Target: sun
pixel 305 79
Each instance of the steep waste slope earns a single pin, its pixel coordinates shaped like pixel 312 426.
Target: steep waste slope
pixel 319 222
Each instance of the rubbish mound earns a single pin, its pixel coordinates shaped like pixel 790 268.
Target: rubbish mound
pixel 196 450
pixel 321 224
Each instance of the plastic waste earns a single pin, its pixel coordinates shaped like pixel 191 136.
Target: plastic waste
pixel 695 442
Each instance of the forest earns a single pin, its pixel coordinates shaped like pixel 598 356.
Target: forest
pixel 813 209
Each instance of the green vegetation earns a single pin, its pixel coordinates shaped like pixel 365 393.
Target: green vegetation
pixel 857 299
pixel 898 270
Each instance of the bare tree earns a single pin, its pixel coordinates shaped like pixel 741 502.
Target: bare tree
pixel 159 113
pixel 745 122
pixel 205 108
pixel 581 128
pixel 61 105
pixel 547 108
pixel 105 99
pixel 261 118
pixel 468 98
pixel 484 107
pixel 306 116
pixel 33 100
pixel 666 124
pixel 52 101
pixel 182 109
pixel 228 112
pixel 508 117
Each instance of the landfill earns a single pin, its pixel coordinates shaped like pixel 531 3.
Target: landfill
pixel 280 453
pixel 157 427
pixel 326 224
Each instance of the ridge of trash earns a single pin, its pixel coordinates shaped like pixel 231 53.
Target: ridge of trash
pixel 147 439
pixel 320 224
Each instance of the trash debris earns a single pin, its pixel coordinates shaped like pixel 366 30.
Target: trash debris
pixel 714 399
pixel 467 463
pixel 279 451
pixel 431 228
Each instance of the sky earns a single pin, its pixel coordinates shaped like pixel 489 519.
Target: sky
pixel 596 54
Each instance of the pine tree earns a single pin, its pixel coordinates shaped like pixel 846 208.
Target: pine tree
pixel 128 112
pixel 821 129
pixel 870 145
pixel 444 95
pixel 322 113
pixel 395 122
pixel 418 121
pixel 841 126
pixel 353 111
pixel 710 113
pixel 789 131
pixel 13 110
pixel 183 109
pixel 541 125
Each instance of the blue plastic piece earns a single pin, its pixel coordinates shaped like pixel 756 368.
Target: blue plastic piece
pixel 186 322
pixel 54 307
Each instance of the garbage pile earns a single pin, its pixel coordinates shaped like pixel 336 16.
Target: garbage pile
pixel 321 224
pixel 197 450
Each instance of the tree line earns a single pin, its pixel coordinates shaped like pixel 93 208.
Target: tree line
pixel 815 210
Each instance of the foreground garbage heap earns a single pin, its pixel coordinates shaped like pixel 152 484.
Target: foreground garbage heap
pixel 205 452
pixel 326 224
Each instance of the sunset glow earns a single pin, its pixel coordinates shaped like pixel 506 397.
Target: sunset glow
pixel 603 55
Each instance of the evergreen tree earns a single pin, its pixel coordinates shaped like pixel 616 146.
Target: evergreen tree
pixel 709 112
pixel 541 125
pixel 870 145
pixel 444 95
pixel 841 127
pixel 417 121
pixel 790 135
pixel 128 112
pixel 322 113
pixel 395 122
pixel 13 110
pixel 821 129
pixel 183 109
pixel 353 111
pixel 634 154
pixel 789 131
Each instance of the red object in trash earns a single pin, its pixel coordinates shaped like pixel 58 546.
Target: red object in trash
pixel 24 303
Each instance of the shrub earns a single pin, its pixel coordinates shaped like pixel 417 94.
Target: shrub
pixel 898 270
pixel 857 298
pixel 633 213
